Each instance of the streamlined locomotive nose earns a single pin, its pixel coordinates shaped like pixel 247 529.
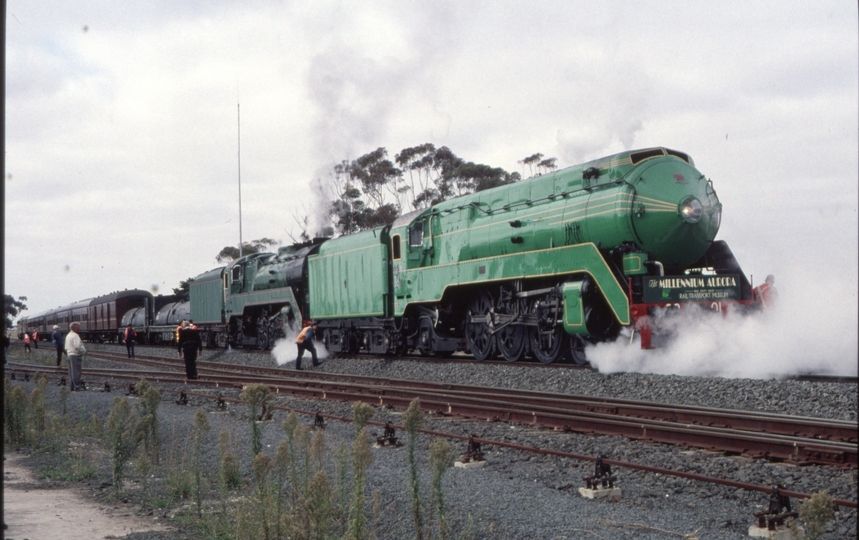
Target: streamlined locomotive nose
pixel 676 212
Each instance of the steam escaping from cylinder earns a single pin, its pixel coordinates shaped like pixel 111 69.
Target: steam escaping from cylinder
pixel 799 336
pixel 285 350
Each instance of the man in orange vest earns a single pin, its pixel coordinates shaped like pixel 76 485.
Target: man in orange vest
pixel 190 325
pixel 36 338
pixel 305 343
pixel 27 342
pixel 766 295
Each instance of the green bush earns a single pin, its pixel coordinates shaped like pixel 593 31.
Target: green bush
pixel 816 512
pixel 362 458
pixel 413 420
pixel 64 397
pixel 15 413
pixel 201 427
pixel 148 425
pixel 361 413
pixel 230 475
pixel 121 438
pixel 257 397
pixel 441 459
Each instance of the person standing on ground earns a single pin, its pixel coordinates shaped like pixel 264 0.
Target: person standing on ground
pixel 36 339
pixel 765 294
pixel 189 346
pixel 130 337
pixel 75 350
pixel 57 341
pixel 305 343
pixel 27 343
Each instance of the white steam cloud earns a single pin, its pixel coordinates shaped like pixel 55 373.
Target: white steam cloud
pixel 800 336
pixel 285 350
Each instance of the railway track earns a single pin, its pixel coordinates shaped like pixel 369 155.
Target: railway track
pixel 173 374
pixel 462 358
pixel 772 436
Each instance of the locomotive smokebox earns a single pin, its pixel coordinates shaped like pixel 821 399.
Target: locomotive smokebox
pixel 676 213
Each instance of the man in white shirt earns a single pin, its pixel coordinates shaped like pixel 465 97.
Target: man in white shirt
pixel 76 351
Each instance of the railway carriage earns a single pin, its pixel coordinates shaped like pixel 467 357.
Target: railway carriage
pixel 99 318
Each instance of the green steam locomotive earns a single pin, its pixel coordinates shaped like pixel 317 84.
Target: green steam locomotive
pixel 535 268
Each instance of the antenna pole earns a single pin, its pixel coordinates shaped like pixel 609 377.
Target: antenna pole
pixel 239 110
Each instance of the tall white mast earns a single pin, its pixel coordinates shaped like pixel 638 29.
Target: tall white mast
pixel 238 108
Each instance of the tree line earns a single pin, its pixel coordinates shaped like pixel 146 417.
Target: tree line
pixel 373 190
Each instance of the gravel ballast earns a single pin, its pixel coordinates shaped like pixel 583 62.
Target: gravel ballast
pixel 520 495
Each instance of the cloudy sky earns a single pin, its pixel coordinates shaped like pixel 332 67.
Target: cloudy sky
pixel 122 137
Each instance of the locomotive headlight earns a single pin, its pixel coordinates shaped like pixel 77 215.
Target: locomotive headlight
pixel 691 210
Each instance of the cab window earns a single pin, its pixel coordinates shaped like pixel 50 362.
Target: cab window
pixel 395 247
pixel 416 234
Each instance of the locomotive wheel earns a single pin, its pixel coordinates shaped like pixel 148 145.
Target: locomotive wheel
pixel 425 341
pixel 352 344
pixel 275 329
pixel 512 342
pixel 576 350
pixel 400 347
pixel 480 341
pixel 263 340
pixel 547 345
pixel 235 333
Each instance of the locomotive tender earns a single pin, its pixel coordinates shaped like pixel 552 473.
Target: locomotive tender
pixel 538 268
pixel 532 268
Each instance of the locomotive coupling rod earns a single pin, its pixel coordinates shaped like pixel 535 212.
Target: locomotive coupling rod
pixel 536 292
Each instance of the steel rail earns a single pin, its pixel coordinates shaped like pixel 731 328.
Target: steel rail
pixel 796 449
pixel 812 428
pixel 689 414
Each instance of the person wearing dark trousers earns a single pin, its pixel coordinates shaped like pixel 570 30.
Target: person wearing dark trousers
pixel 57 340
pixel 130 338
pixel 305 343
pixel 189 347
pixel 76 351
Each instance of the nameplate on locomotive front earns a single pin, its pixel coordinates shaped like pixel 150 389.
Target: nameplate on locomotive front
pixel 698 288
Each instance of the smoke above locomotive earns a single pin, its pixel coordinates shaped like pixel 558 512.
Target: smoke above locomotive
pixel 536 268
